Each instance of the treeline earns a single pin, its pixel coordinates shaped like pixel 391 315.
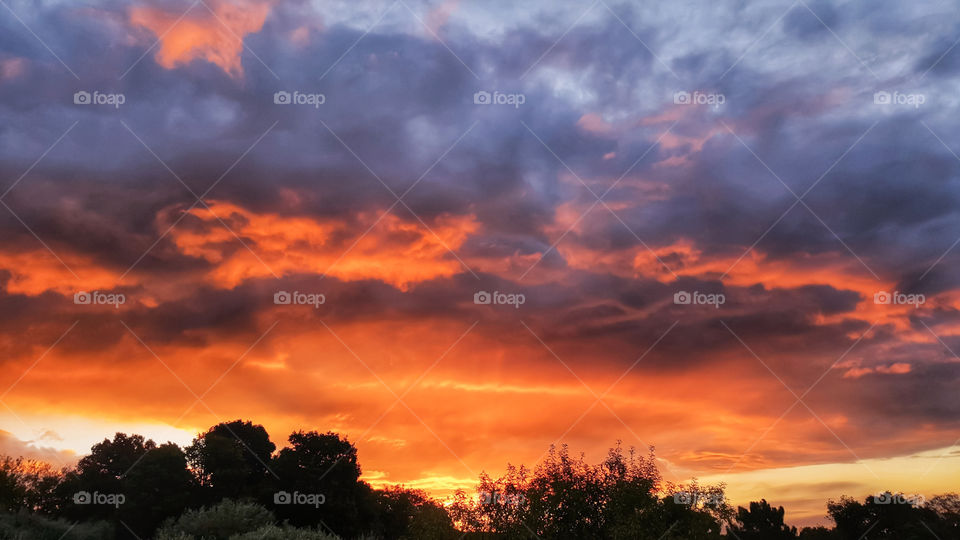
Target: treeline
pixel 231 483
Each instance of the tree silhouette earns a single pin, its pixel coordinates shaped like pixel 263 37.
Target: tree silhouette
pixel 158 486
pixel 325 467
pixel 566 497
pixel 101 474
pixel 891 516
pixel 13 489
pixel 761 522
pixel 818 533
pixel 237 488
pixel 231 460
pixel 407 513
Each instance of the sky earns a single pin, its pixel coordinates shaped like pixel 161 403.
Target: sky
pixel 458 232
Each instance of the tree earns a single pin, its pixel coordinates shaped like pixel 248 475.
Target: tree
pixel 892 516
pixel 565 497
pixel 13 489
pixel 411 514
pixel 817 533
pixel 761 522
pixel 947 509
pixel 319 484
pixel 231 460
pixel 112 459
pixel 96 490
pixel 158 486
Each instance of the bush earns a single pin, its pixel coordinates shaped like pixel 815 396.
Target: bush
pixel 27 526
pixel 273 532
pixel 219 522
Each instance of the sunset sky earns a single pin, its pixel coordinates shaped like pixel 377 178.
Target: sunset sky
pixel 398 157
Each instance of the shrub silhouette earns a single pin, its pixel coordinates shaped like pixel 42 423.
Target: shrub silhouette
pixel 219 522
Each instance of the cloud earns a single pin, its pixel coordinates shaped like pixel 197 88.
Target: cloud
pixel 494 198
pixel 14 447
pixel 213 32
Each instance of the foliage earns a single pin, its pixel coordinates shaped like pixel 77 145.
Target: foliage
pixel 160 485
pixel 231 460
pixel 890 516
pixel 231 484
pixel 566 497
pixel 817 533
pixel 411 514
pixel 323 466
pixel 24 525
pixel 219 522
pixel 273 532
pixel 761 522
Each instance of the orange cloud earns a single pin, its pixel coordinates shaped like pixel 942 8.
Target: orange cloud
pixel 35 272
pixel 213 32
pixel 396 252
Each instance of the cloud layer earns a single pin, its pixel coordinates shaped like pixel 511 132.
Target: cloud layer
pixel 796 160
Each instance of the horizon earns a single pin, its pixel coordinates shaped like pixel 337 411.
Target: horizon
pixel 457 233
